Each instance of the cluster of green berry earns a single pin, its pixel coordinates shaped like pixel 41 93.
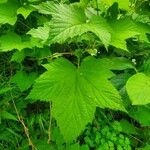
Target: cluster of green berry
pixel 104 136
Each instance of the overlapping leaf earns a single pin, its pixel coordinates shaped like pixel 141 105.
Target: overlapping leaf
pixel 8 12
pixel 84 3
pixel 25 11
pixel 117 63
pixel 138 88
pixel 75 93
pixel 11 41
pixel 141 114
pixel 21 76
pixel 122 30
pixel 70 20
pixel 123 4
pixel 41 33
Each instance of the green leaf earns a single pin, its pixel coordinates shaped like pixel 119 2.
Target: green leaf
pixel 24 80
pixel 84 3
pixel 42 144
pixel 25 11
pixel 120 80
pixel 11 41
pixel 41 33
pixel 141 114
pixel 123 4
pixel 100 28
pixel 77 146
pixel 127 127
pixel 138 89
pixel 69 21
pixel 8 12
pixel 122 30
pixel 5 89
pixel 7 115
pixel 74 147
pixel 3 1
pixel 18 56
pixel 117 63
pixel 144 29
pixel 39 53
pixel 146 147
pixel 146 67
pixel 75 93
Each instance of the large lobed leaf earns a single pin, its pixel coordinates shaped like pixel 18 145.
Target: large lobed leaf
pixel 69 21
pixel 76 92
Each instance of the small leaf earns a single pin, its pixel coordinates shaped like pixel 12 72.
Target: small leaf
pixel 120 80
pixel 127 127
pixel 24 80
pixel 141 114
pixel 5 89
pixel 18 56
pixel 11 41
pixel 41 33
pixel 84 3
pixel 8 11
pixel 7 115
pixel 25 11
pixel 138 89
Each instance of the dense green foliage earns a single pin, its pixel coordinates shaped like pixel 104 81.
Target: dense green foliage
pixel 74 75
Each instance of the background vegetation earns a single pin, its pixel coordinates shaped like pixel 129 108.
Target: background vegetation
pixel 74 75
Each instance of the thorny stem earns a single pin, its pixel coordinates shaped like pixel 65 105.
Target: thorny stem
pixel 50 123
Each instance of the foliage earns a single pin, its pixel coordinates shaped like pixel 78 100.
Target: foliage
pixel 74 75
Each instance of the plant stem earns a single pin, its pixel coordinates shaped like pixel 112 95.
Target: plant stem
pixel 58 54
pixel 50 123
pixel 26 130
pixel 97 9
